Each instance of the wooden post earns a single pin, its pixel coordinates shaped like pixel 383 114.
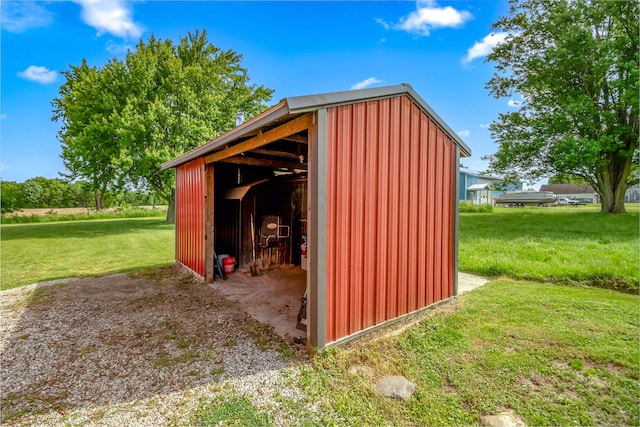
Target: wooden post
pixel 209 224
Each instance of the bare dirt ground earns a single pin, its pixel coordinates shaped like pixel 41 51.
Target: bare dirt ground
pixel 122 350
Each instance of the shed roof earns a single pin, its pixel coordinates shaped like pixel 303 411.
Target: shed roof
pixel 292 107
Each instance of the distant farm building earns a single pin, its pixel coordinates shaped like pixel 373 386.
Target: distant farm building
pixel 580 192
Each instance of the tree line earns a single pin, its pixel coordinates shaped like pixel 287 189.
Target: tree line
pixel 53 193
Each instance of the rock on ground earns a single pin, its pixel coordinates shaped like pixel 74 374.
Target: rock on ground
pixel 395 387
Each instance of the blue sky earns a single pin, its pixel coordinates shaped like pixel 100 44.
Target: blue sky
pixel 295 48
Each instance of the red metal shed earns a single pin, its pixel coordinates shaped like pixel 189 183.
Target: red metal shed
pixel 378 169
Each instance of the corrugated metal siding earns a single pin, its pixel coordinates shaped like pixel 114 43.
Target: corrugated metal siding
pixel 190 215
pixel 390 177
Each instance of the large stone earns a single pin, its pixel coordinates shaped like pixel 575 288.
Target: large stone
pixel 395 387
pixel 503 419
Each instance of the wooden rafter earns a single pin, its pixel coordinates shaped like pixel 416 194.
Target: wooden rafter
pixel 274 164
pixel 290 128
pixel 276 153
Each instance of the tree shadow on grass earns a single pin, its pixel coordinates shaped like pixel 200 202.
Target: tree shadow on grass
pixel 82 229
pixel 108 341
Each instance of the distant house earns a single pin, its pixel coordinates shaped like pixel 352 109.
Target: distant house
pixel 633 194
pixel 581 192
pixel 480 189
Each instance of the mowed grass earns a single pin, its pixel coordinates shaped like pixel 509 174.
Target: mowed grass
pixel 560 244
pixel 550 354
pixel 33 253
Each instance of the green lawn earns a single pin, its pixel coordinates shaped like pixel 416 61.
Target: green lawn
pixel 36 252
pixel 553 354
pixel 560 244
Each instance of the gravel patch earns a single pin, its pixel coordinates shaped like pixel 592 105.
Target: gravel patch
pixel 144 351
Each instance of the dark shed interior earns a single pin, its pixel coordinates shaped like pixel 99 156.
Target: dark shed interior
pixel 256 195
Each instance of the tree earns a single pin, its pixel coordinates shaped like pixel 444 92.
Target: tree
pixel 33 192
pixel 575 64
pixel 86 104
pixel 162 101
pixel 12 196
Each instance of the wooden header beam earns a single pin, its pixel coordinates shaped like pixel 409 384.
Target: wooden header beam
pixel 274 164
pixel 294 126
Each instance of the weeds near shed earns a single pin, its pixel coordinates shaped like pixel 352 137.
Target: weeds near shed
pixel 230 411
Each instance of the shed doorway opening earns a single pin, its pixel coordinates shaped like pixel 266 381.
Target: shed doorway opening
pixel 260 221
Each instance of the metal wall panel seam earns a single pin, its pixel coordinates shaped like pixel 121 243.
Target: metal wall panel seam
pixel 423 217
pixel 414 220
pixel 403 206
pixel 394 202
pixel 383 206
pixel 439 203
pixel 343 182
pixel 431 211
pixel 357 201
pixel 370 214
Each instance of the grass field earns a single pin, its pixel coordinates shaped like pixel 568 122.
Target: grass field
pixel 37 252
pixel 560 244
pixel 552 354
pixel 567 245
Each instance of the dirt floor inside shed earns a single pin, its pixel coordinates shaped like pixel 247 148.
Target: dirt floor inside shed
pixel 272 298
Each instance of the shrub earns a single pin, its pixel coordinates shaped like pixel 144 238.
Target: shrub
pixel 466 207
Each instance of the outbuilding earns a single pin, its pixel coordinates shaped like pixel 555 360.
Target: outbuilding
pixel 359 188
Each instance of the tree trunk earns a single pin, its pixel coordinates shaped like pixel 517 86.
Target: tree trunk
pixel 612 201
pixel 171 210
pixel 97 196
pixel 613 186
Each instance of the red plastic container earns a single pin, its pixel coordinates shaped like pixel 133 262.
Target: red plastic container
pixel 229 264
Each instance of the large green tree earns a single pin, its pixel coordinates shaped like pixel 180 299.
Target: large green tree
pixel 575 64
pixel 87 102
pixel 163 100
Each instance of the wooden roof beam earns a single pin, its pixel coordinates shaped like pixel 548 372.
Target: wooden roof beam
pixel 276 153
pixel 273 164
pixel 287 129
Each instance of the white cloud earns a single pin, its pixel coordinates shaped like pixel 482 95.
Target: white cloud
pixel 382 22
pixel 365 83
pixel 39 74
pixel 116 48
pixel 485 46
pixel 110 16
pixel 3 116
pixel 484 125
pixel 514 103
pixel 20 16
pixel 464 133
pixel 429 15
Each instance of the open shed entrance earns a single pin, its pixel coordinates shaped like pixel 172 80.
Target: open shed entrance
pixel 260 221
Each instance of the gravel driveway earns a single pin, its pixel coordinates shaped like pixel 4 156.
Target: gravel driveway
pixel 143 350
